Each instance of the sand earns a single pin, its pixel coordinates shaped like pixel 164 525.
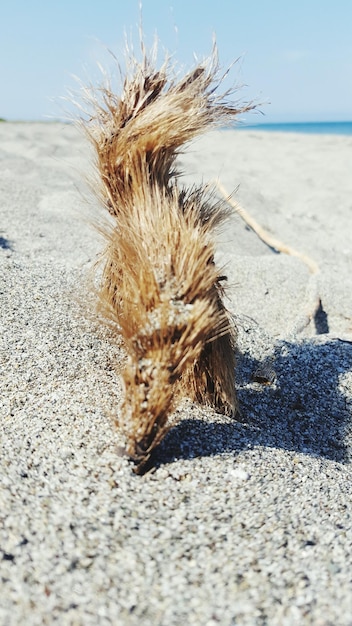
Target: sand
pixel 240 523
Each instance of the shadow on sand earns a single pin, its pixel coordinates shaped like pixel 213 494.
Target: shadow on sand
pixel 306 410
pixel 5 244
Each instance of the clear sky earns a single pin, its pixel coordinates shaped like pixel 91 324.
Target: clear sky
pixel 295 54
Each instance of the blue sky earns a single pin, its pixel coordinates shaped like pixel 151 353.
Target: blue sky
pixel 295 55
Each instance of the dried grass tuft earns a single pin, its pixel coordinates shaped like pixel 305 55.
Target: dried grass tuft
pixel 159 281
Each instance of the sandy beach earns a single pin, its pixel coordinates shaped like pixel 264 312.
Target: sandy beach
pixel 240 522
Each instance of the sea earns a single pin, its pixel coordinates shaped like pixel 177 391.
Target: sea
pixel 317 128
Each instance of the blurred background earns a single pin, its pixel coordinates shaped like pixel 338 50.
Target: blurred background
pixel 294 57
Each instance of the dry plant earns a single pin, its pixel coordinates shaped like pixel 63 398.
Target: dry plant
pixel 159 282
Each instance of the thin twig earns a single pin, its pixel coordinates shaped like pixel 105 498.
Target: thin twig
pixel 266 237
pixel 303 320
